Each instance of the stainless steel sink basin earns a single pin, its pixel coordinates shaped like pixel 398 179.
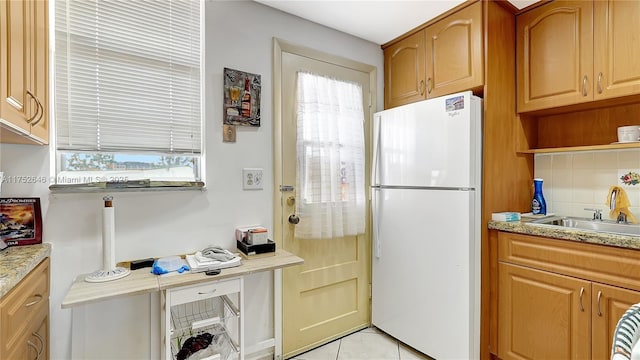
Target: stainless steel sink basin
pixel 606 226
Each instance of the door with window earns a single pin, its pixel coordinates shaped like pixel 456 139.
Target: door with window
pixel 322 139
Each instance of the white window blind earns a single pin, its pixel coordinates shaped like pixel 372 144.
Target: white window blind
pixel 127 76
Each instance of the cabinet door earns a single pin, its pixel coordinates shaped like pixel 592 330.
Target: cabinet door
pixel 404 71
pixel 455 59
pixel 15 64
pixel 25 303
pixel 39 79
pixel 542 315
pixel 555 55
pixel 33 343
pixel 609 303
pixel 616 48
pixel 41 334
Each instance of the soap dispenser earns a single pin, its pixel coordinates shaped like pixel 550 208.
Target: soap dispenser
pixel 538 205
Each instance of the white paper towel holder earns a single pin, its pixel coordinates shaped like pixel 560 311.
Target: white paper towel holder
pixel 110 271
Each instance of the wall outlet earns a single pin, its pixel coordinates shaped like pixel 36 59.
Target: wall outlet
pixel 252 179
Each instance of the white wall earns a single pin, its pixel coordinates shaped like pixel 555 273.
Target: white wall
pixel 575 181
pixel 238 35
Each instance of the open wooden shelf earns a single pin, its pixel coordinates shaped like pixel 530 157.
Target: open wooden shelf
pixel 634 145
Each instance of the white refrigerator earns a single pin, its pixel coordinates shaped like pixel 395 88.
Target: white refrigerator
pixel 425 197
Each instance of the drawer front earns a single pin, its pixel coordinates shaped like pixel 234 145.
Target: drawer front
pixel 203 291
pixel 24 303
pixel 601 263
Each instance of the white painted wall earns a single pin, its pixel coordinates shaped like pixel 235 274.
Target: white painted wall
pixel 238 35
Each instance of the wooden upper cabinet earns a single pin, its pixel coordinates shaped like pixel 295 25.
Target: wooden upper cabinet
pixel 404 69
pixel 616 48
pixel 455 60
pixel 39 84
pixel 555 55
pixel 24 71
pixel 14 63
pixel 570 52
pixel 445 57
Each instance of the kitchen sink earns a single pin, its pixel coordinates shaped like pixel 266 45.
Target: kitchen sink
pixel 606 226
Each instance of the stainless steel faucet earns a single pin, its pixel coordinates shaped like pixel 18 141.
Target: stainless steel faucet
pixel 622 218
pixel 597 213
pixel 612 200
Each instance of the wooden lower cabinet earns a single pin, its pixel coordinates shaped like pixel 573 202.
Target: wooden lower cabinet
pixel 542 315
pixel 34 343
pixel 553 301
pixel 609 304
pixel 24 317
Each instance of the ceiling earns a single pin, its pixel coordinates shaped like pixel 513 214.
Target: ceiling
pixel 378 21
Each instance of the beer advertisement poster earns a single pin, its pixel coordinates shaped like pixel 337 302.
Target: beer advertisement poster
pixel 20 221
pixel 241 98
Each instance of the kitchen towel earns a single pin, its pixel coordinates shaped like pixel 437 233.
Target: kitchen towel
pixel 199 262
pixel 618 202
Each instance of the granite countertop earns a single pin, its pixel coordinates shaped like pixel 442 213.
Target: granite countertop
pixel 17 261
pixel 585 236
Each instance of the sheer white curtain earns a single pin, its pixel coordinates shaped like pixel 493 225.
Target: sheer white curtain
pixel 330 169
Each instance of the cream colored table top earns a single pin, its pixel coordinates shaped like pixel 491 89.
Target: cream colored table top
pixel 141 281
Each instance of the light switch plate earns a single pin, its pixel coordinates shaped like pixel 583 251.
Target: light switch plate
pixel 252 179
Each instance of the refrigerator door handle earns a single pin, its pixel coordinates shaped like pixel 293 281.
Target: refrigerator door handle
pixel 377 119
pixel 376 224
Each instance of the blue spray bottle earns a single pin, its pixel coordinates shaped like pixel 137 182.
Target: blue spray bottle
pixel 538 205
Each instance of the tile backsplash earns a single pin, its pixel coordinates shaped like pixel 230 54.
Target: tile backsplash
pixel 575 181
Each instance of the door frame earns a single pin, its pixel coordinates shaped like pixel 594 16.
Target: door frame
pixel 280 46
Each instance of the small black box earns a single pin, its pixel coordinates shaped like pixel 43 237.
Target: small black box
pixel 247 249
pixel 142 263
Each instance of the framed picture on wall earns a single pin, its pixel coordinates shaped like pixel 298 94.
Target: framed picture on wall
pixel 20 221
pixel 241 98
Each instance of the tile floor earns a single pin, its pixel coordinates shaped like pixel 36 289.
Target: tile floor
pixel 366 344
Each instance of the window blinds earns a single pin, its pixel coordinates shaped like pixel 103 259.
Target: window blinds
pixel 128 75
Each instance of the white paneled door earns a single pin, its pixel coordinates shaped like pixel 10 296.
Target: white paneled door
pixel 329 295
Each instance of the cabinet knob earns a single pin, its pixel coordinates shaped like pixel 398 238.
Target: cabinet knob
pixel 421 87
pixel 599 297
pixel 429 86
pixel 37 297
pixel 41 112
pixel 41 340
pixel 581 293
pixel 32 345
pixel 584 85
pixel 30 94
pixel 600 82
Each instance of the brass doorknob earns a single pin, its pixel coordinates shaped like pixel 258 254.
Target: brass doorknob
pixel 294 219
pixel 291 200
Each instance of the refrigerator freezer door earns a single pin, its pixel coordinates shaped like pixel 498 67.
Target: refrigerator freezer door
pixel 423 270
pixel 432 143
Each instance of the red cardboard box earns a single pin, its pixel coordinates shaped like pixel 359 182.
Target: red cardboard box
pixel 20 221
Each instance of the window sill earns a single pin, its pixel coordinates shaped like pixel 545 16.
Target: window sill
pixel 130 186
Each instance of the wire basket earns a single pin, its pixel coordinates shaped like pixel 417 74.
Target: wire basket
pixel 200 320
